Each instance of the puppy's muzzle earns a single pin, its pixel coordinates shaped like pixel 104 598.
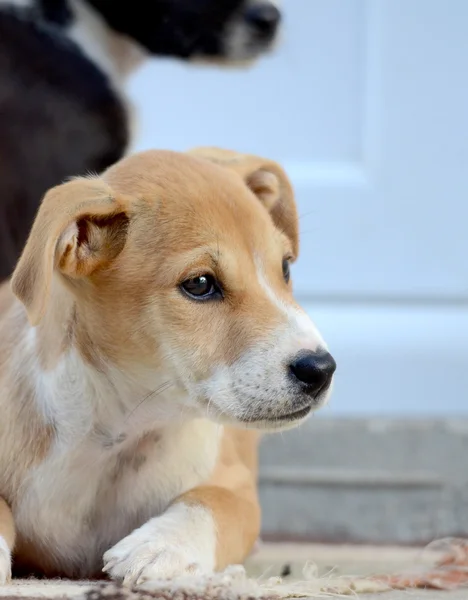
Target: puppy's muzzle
pixel 264 18
pixel 312 371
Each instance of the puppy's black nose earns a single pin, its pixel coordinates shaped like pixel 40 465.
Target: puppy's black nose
pixel 313 369
pixel 264 17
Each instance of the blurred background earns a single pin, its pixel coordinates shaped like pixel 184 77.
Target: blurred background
pixel 365 103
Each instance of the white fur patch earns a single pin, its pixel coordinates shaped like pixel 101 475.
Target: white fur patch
pixel 300 327
pixel 114 495
pixel 91 33
pixel 5 562
pixel 182 541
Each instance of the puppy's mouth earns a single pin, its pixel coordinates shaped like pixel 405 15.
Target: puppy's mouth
pixel 277 421
pixel 297 415
pixel 272 421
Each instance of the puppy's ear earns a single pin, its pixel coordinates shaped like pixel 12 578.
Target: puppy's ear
pixel 267 180
pixel 79 228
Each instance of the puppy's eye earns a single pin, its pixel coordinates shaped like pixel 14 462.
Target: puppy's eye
pixel 203 287
pixel 286 273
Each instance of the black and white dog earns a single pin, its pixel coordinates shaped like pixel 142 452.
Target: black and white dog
pixel 63 67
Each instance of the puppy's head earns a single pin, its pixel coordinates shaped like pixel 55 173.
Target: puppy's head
pixel 221 30
pixel 178 266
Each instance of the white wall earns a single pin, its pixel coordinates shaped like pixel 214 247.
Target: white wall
pixel 366 104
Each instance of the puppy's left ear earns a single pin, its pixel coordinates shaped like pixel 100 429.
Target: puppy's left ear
pixel 267 180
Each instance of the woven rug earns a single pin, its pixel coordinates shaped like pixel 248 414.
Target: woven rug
pixel 449 571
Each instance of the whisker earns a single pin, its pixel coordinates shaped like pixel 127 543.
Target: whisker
pixel 307 214
pixel 159 390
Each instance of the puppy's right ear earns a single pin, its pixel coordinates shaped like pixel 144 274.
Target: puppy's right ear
pixel 80 227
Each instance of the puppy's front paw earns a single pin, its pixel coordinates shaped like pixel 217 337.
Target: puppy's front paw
pixel 135 561
pixel 5 562
pixel 182 541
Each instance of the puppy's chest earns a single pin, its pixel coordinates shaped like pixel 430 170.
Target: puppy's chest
pixel 87 500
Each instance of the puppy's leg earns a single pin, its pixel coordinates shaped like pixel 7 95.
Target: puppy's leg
pixel 205 529
pixel 7 541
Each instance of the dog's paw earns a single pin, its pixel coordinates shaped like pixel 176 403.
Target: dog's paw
pixel 135 561
pixel 5 562
pixel 180 542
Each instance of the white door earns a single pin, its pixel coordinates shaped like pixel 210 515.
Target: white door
pixel 366 105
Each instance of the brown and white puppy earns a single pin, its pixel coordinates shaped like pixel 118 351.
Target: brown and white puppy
pixel 151 334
